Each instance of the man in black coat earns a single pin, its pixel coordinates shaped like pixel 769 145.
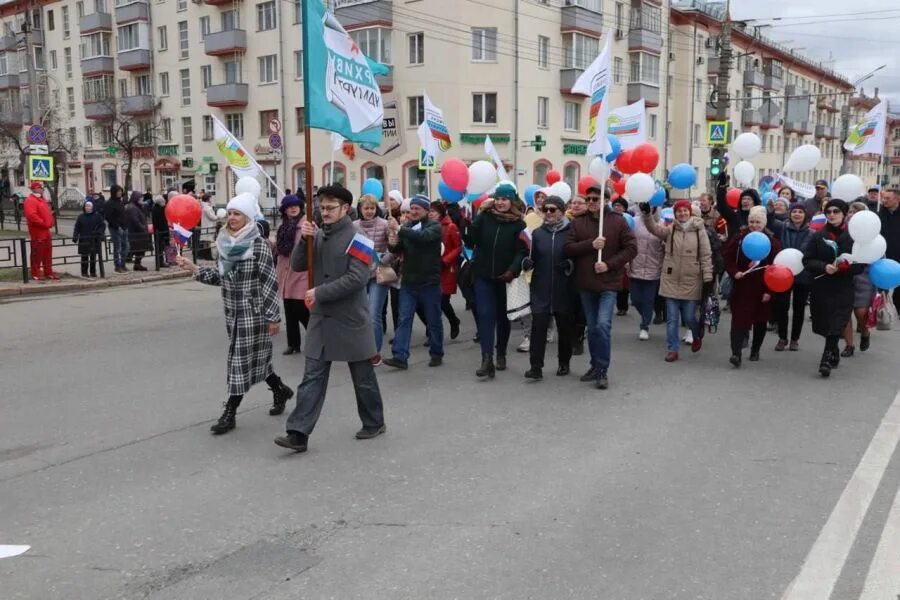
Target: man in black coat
pixel 890 229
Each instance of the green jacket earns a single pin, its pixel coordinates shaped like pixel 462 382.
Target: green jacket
pixel 421 250
pixel 498 247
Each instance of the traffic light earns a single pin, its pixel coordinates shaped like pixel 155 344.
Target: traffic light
pixel 715 162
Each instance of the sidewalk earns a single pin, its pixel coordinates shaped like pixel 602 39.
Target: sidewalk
pixel 76 283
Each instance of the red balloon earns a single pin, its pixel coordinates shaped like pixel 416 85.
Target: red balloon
pixel 645 158
pixel 619 186
pixel 455 174
pixel 184 210
pixel 625 162
pixel 733 197
pixel 778 278
pixel 584 183
pixel 553 176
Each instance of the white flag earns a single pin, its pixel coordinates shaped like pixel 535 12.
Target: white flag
pixel 434 135
pixel 337 141
pixel 867 136
pixel 238 158
pixel 492 152
pixel 629 124
pixel 804 190
pixel 595 82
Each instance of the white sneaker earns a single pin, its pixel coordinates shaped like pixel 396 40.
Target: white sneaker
pixel 644 335
pixel 688 338
pixel 525 346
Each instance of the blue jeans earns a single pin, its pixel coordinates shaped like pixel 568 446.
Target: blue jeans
pixel 684 310
pixel 429 296
pixel 598 312
pixel 120 245
pixel 377 298
pixel 643 298
pixel 490 306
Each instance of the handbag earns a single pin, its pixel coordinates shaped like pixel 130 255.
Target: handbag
pixel 887 313
pixel 518 298
pixel 385 275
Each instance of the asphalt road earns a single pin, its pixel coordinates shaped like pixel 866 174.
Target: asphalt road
pixel 688 480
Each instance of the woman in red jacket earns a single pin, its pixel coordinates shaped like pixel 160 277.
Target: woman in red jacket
pixel 451 247
pixel 40 222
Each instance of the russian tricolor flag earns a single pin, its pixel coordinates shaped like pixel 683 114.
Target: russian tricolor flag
pixel 525 236
pixel 182 235
pixel 362 248
pixel 818 222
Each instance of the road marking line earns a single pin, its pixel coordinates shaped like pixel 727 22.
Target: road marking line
pixel 826 558
pixel 883 580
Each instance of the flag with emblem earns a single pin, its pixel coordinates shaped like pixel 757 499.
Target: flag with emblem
pixel 595 82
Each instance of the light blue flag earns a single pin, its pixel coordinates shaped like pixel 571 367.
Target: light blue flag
pixel 341 93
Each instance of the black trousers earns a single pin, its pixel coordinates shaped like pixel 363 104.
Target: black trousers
pixel 793 299
pixel 295 312
pixel 565 328
pixel 738 336
pixel 622 300
pixel 394 297
pixel 160 243
pixel 89 259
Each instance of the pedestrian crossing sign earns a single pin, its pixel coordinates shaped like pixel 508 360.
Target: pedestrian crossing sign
pixel 717 133
pixel 40 168
pixel 426 163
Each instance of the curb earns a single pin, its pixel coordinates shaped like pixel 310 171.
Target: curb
pixel 77 286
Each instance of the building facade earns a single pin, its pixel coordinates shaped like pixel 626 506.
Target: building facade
pixel 498 68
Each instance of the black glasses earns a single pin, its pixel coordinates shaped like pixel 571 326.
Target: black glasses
pixel 592 198
pixel 833 211
pixel 549 209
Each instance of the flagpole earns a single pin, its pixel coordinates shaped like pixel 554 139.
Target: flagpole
pixel 331 175
pixel 602 211
pixel 307 146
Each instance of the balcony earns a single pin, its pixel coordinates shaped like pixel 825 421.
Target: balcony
pixel 650 93
pixel 644 33
pixel 10 80
pixel 770 120
pixel 135 60
pixel 8 42
pixel 751 117
pixel 97 65
pixel 754 78
pixel 225 42
pixel 826 103
pixel 14 117
pixel 385 82
pixel 218 2
pixel 227 95
pixel 95 22
pixel 567 79
pixel 773 82
pixel 136 11
pixel 798 127
pixel 380 12
pixel 138 105
pixel 713 65
pixel 582 20
pixel 100 110
pixel 712 114
pixel 826 131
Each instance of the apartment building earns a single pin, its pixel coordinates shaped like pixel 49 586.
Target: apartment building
pixel 502 69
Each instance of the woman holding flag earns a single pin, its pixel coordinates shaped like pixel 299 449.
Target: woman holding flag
pixel 246 274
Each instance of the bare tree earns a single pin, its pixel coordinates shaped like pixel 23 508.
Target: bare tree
pixel 132 130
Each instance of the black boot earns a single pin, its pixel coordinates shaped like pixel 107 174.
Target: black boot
pixel 834 359
pixel 501 362
pixel 226 422
pixel 825 364
pixel 534 373
pixel 454 329
pixel 280 395
pixel 487 366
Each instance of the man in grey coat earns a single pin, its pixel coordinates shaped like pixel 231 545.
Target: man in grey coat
pixel 340 328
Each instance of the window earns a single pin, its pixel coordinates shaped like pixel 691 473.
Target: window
pixel 541 168
pixel 620 18
pixel 268 68
pixel 185 87
pixel 208 128
pixel 4 64
pixel 39 58
pixel 618 66
pixel 145 133
pixel 648 18
pixel 652 127
pixel 123 88
pixel 339 176
pixel 53 59
pixel 235 124
pixel 484 43
pixel 70 100
pixel 416 180
pixel 181 5
pixel 209 184
pixel 571 173
pixel 298 64
pixel 108 175
pixel 543 52
pixel 143 86
pixel 696 140
pixel 594 5
pixel 162 38
pixel 106 135
pixel 97 88
pixel 129 37
pixel 579 50
pixel 373 171
pixel 65 22
pixel 79 9
pixel 88 136
pixel 231 20
pixel 265 116
pixel 484 108
pixel 298 11
pixel 50 23
pixel 183 51
pixel 542 109
pixel 163 84
pixel 205 76
pixel 644 68
pixel 374 42
pixel 94 45
pixel 187 135
pixel 698 90
pixel 232 71
pixel 416 43
pixel 300 117
pixel 204 27
pixel 573 116
pixel 415 107
pixel 166 129
pixel 265 16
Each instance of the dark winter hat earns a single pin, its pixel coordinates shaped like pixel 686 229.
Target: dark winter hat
pixel 421 201
pixel 505 190
pixel 337 192
pixel 750 192
pixel 798 206
pixel 837 203
pixel 289 201
pixel 823 182
pixel 555 201
pixel 622 201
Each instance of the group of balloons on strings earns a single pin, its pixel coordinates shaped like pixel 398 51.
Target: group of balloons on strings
pixel 185 210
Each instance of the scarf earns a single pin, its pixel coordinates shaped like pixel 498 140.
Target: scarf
pixel 284 239
pixel 236 248
pixel 513 214
pixel 558 226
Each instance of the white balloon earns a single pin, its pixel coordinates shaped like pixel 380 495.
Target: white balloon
pixel 640 187
pixel 248 185
pixel 864 226
pixel 848 187
pixel 482 176
pixel 561 189
pixel 792 259
pixel 221 214
pixel 744 173
pixel 746 146
pixel 599 169
pixel 868 253
pixel 804 158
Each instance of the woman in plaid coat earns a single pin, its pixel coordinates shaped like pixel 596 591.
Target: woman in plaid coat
pixel 246 274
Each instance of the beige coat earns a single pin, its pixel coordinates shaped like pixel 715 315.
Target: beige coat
pixel 688 260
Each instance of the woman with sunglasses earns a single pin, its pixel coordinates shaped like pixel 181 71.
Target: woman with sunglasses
pixel 793 233
pixel 831 300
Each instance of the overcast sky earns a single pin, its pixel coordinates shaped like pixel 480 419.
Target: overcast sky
pixel 853 44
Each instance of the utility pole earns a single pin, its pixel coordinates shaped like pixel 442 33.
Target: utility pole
pixel 29 65
pixel 723 97
pixel 845 130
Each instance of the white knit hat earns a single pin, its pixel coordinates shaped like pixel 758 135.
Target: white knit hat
pixel 396 196
pixel 404 206
pixel 245 204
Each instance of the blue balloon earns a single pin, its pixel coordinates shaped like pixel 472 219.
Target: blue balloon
pixel 658 198
pixel 667 214
pixel 474 197
pixel 615 148
pixel 682 176
pixel 769 197
pixel 374 187
pixel 630 220
pixel 885 274
pixel 529 193
pixel 448 195
pixel 756 246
